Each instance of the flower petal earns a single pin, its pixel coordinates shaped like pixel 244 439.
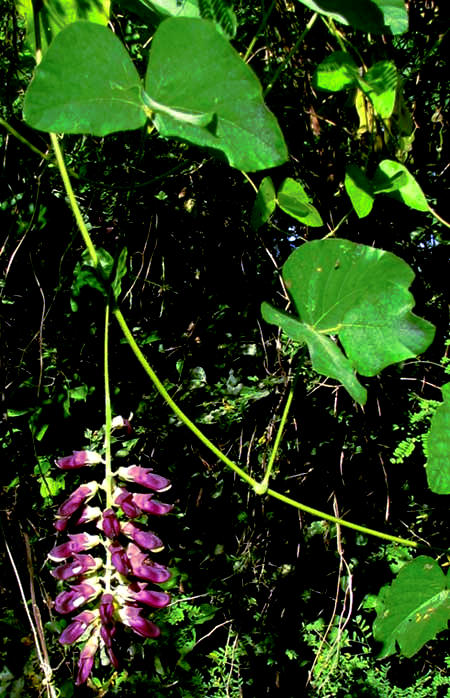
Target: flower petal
pixel 145 539
pixel 150 506
pixel 78 459
pixel 144 477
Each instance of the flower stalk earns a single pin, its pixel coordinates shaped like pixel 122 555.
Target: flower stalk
pixel 110 586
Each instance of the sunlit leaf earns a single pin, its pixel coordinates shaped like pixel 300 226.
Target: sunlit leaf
pixel 380 86
pixel 86 83
pixel 264 205
pixel 413 609
pixel 358 294
pixel 438 447
pixel 293 199
pixel 336 72
pixel 193 68
pixel 359 189
pixel 395 180
pixel 54 15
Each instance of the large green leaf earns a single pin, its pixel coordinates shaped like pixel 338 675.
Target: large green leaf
pixel 194 69
pixel 380 86
pixel 375 16
pixel 438 447
pixel 359 189
pixel 54 15
pixel 293 199
pixel 264 205
pixel 394 179
pixel 413 609
pixel 336 72
pixel 86 83
pixel 358 294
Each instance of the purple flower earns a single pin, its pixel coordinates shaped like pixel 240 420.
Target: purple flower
pixel 130 615
pixel 78 459
pixel 77 498
pixel 86 661
pixel 107 609
pixel 68 601
pixel 144 568
pixel 124 500
pixel 78 626
pixel 61 524
pixel 144 477
pixel 119 558
pixel 79 565
pixel 110 524
pixel 77 543
pixel 149 506
pixel 145 539
pixel 88 514
pixel 140 594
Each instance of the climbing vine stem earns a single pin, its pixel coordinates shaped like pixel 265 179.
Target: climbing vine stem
pixel 259 487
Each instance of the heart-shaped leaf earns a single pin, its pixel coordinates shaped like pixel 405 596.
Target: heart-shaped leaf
pixel 360 191
pixel 438 447
pixel 394 179
pixel 86 83
pixel 380 86
pixel 336 72
pixel 264 205
pixel 293 199
pixel 358 294
pixel 413 609
pixel 194 69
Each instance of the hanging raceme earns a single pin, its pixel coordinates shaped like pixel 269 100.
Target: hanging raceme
pixel 114 581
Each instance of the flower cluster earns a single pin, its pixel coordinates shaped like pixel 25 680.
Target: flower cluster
pixel 116 582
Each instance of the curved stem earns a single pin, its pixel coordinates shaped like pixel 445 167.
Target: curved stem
pixel 438 217
pixel 273 455
pixel 73 202
pixel 173 406
pixel 334 519
pixel 242 474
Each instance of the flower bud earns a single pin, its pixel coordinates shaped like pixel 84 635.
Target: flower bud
pixel 77 543
pixel 79 565
pixel 78 459
pixel 110 524
pixel 144 477
pixel 130 615
pixel 124 500
pixel 68 601
pixel 145 539
pixel 146 504
pixel 86 661
pixel 144 568
pixel 75 630
pixel 77 498
pixel 119 558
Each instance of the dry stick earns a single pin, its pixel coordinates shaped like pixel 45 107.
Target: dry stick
pixel 45 666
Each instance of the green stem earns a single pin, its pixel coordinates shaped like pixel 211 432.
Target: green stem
pixel 170 402
pixel 273 455
pixel 287 60
pixel 73 202
pixel 173 406
pixel 261 28
pixel 348 524
pixel 23 140
pixel 109 481
pixel 242 474
pixel 438 217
